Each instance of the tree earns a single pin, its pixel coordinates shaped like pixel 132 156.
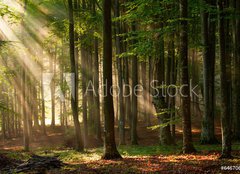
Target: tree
pixel 225 73
pixel 52 65
pixel 42 104
pixel 26 138
pixel 119 51
pixel 208 37
pixel 96 85
pixel 84 81
pixel 172 66
pixel 74 101
pixel 35 107
pixel 144 83
pixel 159 99
pixel 110 149
pixel 134 137
pixel 127 98
pixel 185 108
pixel 236 75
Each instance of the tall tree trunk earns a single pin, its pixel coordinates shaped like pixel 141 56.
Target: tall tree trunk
pixel 159 98
pixel 62 100
pixel 150 90
pixel 236 77
pixel 35 107
pixel 53 68
pixel 110 149
pixel 120 78
pixel 144 83
pixel 185 92
pixel 84 96
pixel 96 86
pixel 134 136
pixel 89 91
pixel 173 77
pixel 8 115
pixel 84 87
pixel 3 113
pixel 29 105
pixel 127 98
pixel 225 85
pixel 208 37
pixel 74 96
pixel 43 104
pixel 26 140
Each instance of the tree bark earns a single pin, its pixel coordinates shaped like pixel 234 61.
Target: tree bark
pixel 84 87
pixel 159 97
pixel 43 105
pixel 119 51
pixel 225 86
pixel 35 107
pixel 236 76
pixel 134 136
pixel 74 96
pixel 208 37
pixel 185 107
pixel 110 149
pixel 52 70
pixel 144 84
pixel 26 140
pixel 96 86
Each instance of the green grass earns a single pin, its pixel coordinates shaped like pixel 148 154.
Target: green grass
pixel 17 155
pixel 148 151
pixel 68 155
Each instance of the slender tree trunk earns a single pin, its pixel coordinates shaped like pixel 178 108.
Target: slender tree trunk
pixel 173 77
pixel 110 149
pixel 159 97
pixel 150 91
pixel 236 77
pixel 225 86
pixel 43 106
pixel 8 115
pixel 96 87
pixel 126 84
pixel 185 92
pixel 120 78
pixel 53 68
pixel 29 104
pixel 89 93
pixel 62 100
pixel 208 37
pixel 127 91
pixel 74 96
pixel 35 108
pixel 26 140
pixel 134 136
pixel 84 87
pixel 144 83
pixel 84 96
pixel 3 113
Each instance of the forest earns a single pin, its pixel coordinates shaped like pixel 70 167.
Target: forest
pixel 119 86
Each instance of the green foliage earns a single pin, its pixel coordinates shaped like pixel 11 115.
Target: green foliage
pixel 168 122
pixel 3 106
pixel 11 14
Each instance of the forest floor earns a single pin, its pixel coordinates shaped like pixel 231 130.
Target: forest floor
pixel 148 157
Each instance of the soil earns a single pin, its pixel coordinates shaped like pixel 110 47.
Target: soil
pixel 203 162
